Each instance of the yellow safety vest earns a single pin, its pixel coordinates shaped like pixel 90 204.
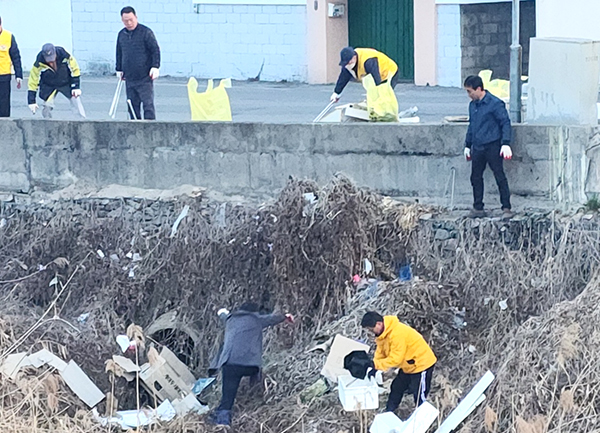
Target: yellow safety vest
pixel 5 60
pixel 387 67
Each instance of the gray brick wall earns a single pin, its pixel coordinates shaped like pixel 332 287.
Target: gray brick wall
pixel 219 41
pixel 486 37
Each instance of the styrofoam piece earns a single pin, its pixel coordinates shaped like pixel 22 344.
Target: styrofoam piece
pixel 414 119
pixel 386 422
pixel 421 419
pixel 357 394
pixel 467 405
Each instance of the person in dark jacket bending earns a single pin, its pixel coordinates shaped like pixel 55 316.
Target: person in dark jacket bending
pixel 241 354
pixel 487 143
pixel 138 63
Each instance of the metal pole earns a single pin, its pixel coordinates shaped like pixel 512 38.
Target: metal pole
pixel 516 65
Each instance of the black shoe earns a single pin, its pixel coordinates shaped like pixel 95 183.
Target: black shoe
pixel 477 213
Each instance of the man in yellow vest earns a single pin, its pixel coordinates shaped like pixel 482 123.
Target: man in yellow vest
pixel 400 346
pixel 54 71
pixel 9 58
pixel 357 63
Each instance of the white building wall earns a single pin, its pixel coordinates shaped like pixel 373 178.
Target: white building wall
pixel 568 19
pixel 219 40
pixel 36 22
pixel 448 45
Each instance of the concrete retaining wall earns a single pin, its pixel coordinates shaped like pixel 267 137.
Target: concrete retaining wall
pixel 237 158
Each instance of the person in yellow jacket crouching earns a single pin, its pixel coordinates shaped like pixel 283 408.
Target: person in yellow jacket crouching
pixel 357 63
pixel 400 346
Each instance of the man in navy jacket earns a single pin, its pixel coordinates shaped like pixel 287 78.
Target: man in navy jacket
pixel 487 143
pixel 138 63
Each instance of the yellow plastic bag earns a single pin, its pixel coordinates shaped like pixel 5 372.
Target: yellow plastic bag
pixel 381 101
pixel 211 105
pixel 499 88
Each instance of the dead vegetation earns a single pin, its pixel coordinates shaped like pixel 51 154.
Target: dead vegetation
pixel 500 296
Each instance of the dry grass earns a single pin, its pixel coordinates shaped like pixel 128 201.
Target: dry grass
pixel 299 255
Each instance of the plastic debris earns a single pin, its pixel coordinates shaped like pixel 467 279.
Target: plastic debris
pixel 503 304
pixel 180 218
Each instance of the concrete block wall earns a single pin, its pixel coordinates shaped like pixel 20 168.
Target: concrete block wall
pixel 423 161
pixel 206 41
pixel 486 37
pixel 448 46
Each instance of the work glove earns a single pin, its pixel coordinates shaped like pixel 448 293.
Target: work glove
pixel 289 318
pixel 19 82
pixel 120 75
pixel 334 97
pixel 154 73
pixel 506 152
pixel 467 153
pixel 33 107
pixel 76 93
pixel 223 311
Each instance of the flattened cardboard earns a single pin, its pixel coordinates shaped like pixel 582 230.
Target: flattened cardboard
pixel 14 363
pixel 334 365
pixel 126 364
pixel 43 357
pixel 81 384
pixel 170 380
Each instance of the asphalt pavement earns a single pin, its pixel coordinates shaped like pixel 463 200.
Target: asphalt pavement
pixel 250 101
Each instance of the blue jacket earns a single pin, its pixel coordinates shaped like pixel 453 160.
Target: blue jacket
pixel 488 122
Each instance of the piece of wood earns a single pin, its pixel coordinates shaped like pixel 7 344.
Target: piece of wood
pixel 467 405
pixel 81 384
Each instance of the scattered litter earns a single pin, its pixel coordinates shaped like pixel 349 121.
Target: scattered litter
pixel 313 391
pixel 486 301
pixel 136 257
pixel 503 304
pixel 53 282
pixel 131 419
pixel 114 257
pixel 420 420
pixel 169 379
pixel 201 384
pixel 100 254
pixel 189 404
pixel 131 273
pixel 2 223
pixel 386 422
pixel 405 273
pixel 368 267
pixel 472 349
pixel 321 347
pixel 125 343
pixel 126 364
pixel 129 255
pixel 334 365
pixel 81 384
pixel 180 218
pixel 356 279
pixel 83 317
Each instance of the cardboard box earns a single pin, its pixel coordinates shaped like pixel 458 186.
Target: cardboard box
pixel 170 379
pixel 334 365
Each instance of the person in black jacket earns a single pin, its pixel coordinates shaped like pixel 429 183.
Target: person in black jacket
pixel 9 58
pixel 138 63
pixel 54 71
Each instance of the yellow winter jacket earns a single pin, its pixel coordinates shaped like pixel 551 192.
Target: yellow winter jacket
pixel 387 67
pixel 400 346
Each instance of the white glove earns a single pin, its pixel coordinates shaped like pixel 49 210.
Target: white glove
pixel 120 74
pixel 334 97
pixel 223 311
pixel 154 73
pixel 19 82
pixel 506 152
pixel 33 107
pixel 76 93
pixel 467 153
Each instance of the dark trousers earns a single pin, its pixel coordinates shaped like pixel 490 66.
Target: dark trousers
pixel 141 93
pixel 480 157
pixel 417 384
pixel 232 375
pixel 5 98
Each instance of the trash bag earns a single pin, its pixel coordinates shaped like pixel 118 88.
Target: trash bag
pixel 381 101
pixel 357 363
pixel 497 87
pixel 212 104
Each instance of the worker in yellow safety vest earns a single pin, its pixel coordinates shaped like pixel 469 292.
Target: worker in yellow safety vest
pixel 54 71
pixel 10 58
pixel 357 63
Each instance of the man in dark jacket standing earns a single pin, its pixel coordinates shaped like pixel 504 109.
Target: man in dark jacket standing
pixel 10 57
pixel 138 63
pixel 241 354
pixel 487 143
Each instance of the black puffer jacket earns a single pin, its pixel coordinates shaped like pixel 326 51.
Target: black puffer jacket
pixel 137 53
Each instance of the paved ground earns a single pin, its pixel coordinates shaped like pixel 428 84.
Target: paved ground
pixel 253 101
